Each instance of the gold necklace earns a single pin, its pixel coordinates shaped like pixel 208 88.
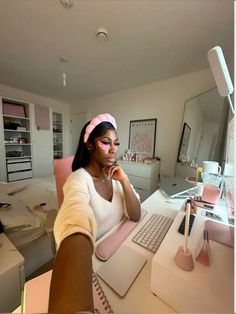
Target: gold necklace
pixel 100 178
pixel 103 177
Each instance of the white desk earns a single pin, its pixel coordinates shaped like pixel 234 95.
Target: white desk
pixel 174 283
pixel 139 298
pixel 203 290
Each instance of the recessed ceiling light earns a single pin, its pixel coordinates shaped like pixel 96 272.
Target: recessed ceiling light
pixel 102 34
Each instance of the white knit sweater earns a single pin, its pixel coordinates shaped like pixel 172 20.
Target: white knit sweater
pixel 84 210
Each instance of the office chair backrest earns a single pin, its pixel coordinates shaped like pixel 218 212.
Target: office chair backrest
pixel 62 169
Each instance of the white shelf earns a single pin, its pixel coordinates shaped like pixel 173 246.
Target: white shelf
pixel 18 157
pixel 17 144
pixel 20 131
pixel 57 124
pixel 16 117
pixel 22 168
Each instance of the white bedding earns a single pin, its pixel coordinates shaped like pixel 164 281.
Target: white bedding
pixel 22 223
pixel 20 238
pixel 38 191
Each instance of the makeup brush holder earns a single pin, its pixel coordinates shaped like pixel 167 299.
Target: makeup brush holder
pixel 184 260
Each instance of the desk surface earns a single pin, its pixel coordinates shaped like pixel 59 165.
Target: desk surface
pixel 203 290
pixel 139 297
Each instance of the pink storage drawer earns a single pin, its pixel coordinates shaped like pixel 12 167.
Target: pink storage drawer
pixel 14 110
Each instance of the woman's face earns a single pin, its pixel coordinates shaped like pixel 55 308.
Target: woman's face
pixel 105 148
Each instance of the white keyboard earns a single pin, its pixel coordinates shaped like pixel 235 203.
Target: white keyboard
pixel 153 232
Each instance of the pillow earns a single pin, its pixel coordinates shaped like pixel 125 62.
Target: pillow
pixel 11 188
pixel 17 215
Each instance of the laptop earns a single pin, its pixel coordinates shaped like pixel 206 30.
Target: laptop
pixel 176 186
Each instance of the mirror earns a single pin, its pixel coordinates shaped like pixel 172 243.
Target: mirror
pixel 203 132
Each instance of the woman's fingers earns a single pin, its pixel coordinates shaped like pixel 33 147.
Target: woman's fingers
pixel 112 169
pixel 116 172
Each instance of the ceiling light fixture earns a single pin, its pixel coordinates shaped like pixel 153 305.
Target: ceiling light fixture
pixel 102 34
pixel 66 3
pixel 64 60
pixel 64 79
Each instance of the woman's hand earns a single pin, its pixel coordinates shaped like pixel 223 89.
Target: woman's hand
pixel 132 203
pixel 116 172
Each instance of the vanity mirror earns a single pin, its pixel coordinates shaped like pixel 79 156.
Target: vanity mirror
pixel 206 117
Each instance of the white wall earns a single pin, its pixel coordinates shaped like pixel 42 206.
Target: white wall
pixel 163 100
pixel 41 139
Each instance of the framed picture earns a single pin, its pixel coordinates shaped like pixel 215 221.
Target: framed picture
pixel 142 136
pixel 183 145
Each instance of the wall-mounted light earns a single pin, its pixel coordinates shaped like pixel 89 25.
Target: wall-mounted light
pixel 221 74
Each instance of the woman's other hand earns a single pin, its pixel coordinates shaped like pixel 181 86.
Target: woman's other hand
pixel 132 203
pixel 116 172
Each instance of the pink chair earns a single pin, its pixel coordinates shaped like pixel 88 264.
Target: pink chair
pixel 62 169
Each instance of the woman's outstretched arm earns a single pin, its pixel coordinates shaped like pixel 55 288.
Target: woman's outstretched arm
pixel 71 283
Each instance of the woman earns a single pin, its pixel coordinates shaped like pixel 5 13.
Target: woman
pixel 96 197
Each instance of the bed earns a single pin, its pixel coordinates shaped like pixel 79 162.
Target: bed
pixel 28 220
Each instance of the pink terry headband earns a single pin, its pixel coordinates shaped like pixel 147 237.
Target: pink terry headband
pixel 103 117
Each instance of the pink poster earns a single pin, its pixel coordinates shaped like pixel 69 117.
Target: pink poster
pixel 42 117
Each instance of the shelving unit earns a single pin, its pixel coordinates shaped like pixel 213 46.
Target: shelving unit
pixel 17 139
pixel 57 135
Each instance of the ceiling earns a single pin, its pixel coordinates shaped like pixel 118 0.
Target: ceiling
pixel 147 41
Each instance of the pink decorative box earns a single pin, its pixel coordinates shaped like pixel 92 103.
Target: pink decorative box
pixel 14 109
